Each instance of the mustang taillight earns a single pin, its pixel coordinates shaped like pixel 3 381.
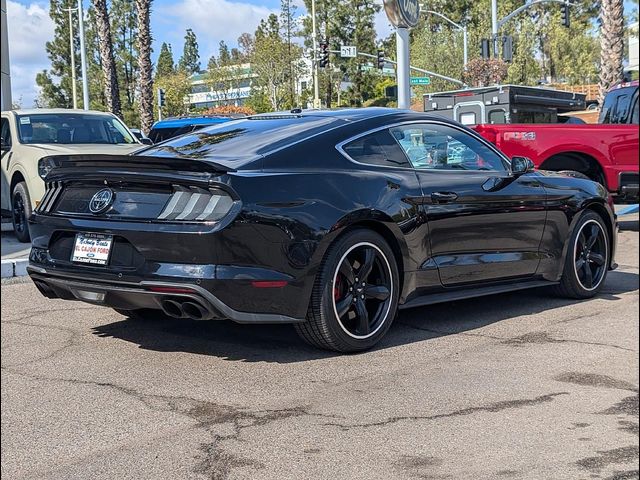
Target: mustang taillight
pixel 51 194
pixel 196 204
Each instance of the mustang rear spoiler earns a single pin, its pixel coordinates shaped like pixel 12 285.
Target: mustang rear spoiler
pixel 135 163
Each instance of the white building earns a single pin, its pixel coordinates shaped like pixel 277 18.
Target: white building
pixel 236 88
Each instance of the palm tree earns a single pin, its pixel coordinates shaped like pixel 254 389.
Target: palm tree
pixel 145 81
pixel 611 44
pixel 111 88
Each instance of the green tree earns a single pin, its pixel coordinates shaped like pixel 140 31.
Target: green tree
pixel 611 44
pixel 225 74
pixel 165 65
pixel 176 87
pixel 55 82
pixel 107 60
pixel 270 62
pixel 124 31
pixel 190 60
pixel 145 67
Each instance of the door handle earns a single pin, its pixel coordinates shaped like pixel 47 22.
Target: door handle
pixel 443 197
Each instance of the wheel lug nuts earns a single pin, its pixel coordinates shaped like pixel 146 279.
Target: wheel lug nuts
pixel 362 296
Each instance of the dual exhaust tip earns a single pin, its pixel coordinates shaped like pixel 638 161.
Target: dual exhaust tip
pixel 185 309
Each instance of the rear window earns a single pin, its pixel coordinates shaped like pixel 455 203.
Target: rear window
pixel 242 139
pixel 617 107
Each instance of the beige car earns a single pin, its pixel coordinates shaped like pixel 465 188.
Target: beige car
pixel 29 135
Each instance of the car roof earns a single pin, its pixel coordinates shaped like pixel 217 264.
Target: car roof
pixel 184 121
pixel 36 111
pixel 240 142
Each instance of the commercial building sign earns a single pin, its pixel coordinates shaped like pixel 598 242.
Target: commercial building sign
pixel 402 13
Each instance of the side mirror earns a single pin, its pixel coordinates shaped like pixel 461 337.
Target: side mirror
pixel 146 141
pixel 521 165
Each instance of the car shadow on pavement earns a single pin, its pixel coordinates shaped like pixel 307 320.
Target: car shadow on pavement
pixel 280 344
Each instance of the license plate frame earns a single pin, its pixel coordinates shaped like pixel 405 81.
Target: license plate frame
pixel 88 249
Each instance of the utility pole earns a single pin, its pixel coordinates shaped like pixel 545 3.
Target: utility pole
pixel 496 24
pixel 402 54
pixel 5 84
pixel 83 59
pixel 494 27
pixel 316 84
pixel 74 87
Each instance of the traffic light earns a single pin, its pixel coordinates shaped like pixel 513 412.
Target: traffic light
pixel 566 19
pixel 485 48
pixel 391 91
pixel 507 48
pixel 380 58
pixel 161 99
pixel 324 54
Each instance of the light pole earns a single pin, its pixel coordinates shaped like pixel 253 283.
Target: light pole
pixel 402 70
pixel 496 24
pixel 316 84
pixel 74 87
pixel 83 59
pixel 463 28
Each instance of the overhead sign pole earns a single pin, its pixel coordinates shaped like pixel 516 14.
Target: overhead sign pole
pixel 402 54
pixel 403 15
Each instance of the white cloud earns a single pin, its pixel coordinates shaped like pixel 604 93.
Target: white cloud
pixel 29 28
pixel 211 20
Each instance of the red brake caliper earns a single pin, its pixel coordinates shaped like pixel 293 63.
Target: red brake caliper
pixel 337 287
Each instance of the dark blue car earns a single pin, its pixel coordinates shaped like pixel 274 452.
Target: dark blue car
pixel 173 127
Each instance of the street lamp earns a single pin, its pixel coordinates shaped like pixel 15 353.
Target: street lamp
pixel 73 58
pixel 463 28
pixel 83 58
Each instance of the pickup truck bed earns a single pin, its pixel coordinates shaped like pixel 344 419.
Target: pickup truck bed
pixel 605 153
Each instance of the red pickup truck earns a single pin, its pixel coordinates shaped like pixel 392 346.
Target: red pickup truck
pixel 606 152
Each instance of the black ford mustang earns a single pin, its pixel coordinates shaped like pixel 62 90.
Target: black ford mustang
pixel 331 220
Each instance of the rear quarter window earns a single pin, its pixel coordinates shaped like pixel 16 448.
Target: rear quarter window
pixel 379 148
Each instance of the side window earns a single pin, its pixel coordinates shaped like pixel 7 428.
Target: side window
pixel 635 113
pixel 621 112
pixel 5 132
pixel 497 117
pixel 378 148
pixel 440 147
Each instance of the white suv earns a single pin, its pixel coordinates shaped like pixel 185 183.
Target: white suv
pixel 29 135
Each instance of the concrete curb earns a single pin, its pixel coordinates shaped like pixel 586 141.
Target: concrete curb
pixel 15 267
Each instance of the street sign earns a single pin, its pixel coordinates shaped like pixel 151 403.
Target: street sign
pixel 420 80
pixel 348 51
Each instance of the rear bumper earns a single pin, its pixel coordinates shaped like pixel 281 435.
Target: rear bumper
pixel 246 277
pixel 628 186
pixel 144 294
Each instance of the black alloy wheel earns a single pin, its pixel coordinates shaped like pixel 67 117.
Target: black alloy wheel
pixel 355 295
pixel 20 212
pixel 362 288
pixel 588 257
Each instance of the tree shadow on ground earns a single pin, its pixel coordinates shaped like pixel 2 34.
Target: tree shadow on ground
pixel 280 344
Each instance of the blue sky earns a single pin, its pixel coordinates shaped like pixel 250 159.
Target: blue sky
pixel 212 20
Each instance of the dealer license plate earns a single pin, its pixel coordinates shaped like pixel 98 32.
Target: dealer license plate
pixel 92 248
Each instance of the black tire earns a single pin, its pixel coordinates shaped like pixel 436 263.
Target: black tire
pixel 142 314
pixel 358 274
pixel 587 261
pixel 21 211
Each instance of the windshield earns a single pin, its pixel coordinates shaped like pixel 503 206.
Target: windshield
pixel 72 129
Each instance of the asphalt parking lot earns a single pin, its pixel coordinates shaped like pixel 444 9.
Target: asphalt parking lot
pixel 515 386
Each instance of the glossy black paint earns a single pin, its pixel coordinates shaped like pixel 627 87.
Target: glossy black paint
pixel 450 230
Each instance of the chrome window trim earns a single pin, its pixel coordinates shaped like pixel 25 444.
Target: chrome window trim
pixel 477 136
